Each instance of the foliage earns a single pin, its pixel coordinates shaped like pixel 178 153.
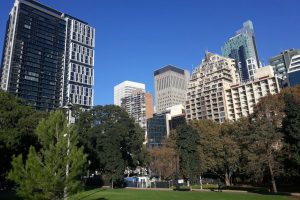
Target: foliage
pixel 265 143
pixel 219 151
pixel 163 162
pixel 187 141
pixel 43 175
pixel 17 125
pixel 112 140
pixel 291 130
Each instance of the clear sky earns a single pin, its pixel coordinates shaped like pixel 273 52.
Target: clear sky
pixel 136 37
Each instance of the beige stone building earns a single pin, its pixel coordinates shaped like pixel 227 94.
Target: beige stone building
pixel 241 98
pixel 206 95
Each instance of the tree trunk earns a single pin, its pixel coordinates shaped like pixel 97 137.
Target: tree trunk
pixel 272 178
pixel 227 178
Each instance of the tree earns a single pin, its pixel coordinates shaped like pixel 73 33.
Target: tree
pixel 219 151
pixel 163 161
pixel 187 141
pixel 265 141
pixel 291 130
pixel 44 174
pixel 17 125
pixel 113 141
pixel 228 156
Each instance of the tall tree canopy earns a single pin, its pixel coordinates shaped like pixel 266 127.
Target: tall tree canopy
pixel 17 125
pixel 187 141
pixel 291 129
pixel 54 171
pixel 112 140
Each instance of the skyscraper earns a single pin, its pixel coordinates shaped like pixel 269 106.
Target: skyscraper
pixel 48 57
pixel 281 62
pixel 125 89
pixel 170 85
pixel 205 97
pixel 139 106
pixel 242 48
pixel 294 71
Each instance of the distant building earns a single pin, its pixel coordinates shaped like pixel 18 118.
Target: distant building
pixel 125 89
pixel 205 96
pixel 294 71
pixel 160 125
pixel 48 57
pixel 282 61
pixel 241 98
pixel 242 48
pixel 170 85
pixel 139 105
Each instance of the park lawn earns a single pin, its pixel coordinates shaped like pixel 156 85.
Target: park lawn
pixel 132 194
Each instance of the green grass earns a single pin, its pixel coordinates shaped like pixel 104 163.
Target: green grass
pixel 132 194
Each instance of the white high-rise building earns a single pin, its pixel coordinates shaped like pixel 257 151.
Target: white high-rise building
pixel 170 85
pixel 125 89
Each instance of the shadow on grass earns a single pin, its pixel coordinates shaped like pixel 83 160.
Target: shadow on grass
pixel 95 192
pixel 256 190
pixel 8 195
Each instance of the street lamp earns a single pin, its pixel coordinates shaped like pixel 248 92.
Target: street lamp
pixel 69 110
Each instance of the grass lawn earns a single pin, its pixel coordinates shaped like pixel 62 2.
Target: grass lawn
pixel 131 194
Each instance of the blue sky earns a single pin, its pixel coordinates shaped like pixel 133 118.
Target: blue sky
pixel 136 37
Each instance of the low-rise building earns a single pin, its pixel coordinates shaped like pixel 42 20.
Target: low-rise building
pixel 160 125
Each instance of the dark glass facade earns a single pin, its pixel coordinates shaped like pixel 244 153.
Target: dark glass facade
pixel 156 130
pixel 37 57
pixel 294 78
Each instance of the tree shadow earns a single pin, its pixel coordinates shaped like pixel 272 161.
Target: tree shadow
pixel 88 195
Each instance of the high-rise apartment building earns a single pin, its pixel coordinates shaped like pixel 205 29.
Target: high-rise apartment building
pixel 170 85
pixel 48 57
pixel 241 98
pixel 125 89
pixel 294 71
pixel 242 48
pixel 205 96
pixel 139 105
pixel 282 61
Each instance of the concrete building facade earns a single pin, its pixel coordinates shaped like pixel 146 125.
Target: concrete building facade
pixel 282 61
pixel 241 98
pixel 138 105
pixel 294 71
pixel 170 84
pixel 205 96
pixel 125 89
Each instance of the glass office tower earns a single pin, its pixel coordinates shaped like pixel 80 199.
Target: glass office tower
pixel 242 48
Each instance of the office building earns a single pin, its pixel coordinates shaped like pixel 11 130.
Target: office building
pixel 242 48
pixel 139 105
pixel 161 124
pixel 294 71
pixel 125 89
pixel 282 61
pixel 241 98
pixel 48 57
pixel 205 96
pixel 170 85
